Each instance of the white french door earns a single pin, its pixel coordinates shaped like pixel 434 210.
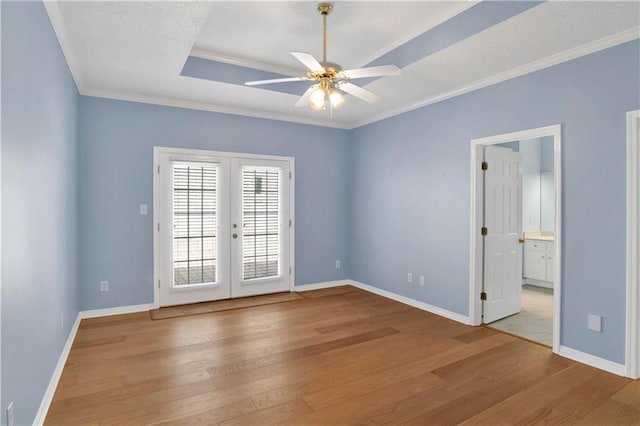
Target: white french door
pixel 260 228
pixel 503 219
pixel 222 226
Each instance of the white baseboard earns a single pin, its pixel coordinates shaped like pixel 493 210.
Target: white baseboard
pixel 119 310
pixel 412 302
pixel 592 360
pixel 57 373
pixel 318 286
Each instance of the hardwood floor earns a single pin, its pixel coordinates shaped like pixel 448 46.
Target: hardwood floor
pixel 338 356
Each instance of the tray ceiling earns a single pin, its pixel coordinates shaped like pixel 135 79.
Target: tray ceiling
pixel 198 54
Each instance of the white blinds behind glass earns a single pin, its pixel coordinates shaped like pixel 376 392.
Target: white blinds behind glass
pixel 260 222
pixel 195 245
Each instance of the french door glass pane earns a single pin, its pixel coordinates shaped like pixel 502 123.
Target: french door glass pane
pixel 260 222
pixel 195 243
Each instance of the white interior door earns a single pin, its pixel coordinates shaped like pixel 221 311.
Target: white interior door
pixel 502 281
pixel 193 229
pixel 260 226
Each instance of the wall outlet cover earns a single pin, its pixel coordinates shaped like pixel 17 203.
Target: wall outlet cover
pixel 409 277
pixel 104 285
pixel 594 323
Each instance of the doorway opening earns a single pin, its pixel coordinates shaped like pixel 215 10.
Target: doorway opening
pixel 515 263
pixel 223 225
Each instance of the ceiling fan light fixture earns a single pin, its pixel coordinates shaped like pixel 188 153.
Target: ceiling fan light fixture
pixel 317 99
pixel 330 78
pixel 335 97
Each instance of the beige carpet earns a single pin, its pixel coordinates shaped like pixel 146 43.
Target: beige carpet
pixel 535 320
pixel 221 305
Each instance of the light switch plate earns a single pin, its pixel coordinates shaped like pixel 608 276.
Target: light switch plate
pixel 594 322
pixel 409 277
pixel 144 209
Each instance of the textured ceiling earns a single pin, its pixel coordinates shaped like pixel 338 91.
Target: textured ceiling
pixel 197 54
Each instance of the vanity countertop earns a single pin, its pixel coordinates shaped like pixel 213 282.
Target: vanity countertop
pixel 541 236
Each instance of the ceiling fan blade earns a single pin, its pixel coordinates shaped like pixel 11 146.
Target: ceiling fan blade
pixel 276 80
pixel 309 61
pixel 380 71
pixel 304 99
pixel 359 92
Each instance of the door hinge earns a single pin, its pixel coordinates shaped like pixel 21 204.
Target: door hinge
pixel 158 283
pixel 289 223
pixel 158 168
pixel 289 271
pixel 158 226
pixel 484 230
pixel 483 296
pixel 289 175
pixel 485 165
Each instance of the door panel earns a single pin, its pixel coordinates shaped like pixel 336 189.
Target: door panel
pixel 260 229
pixel 193 230
pixel 503 218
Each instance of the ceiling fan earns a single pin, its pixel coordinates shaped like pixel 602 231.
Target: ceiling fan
pixel 329 77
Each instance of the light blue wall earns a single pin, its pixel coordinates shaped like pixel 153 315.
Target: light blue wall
pixel 409 209
pixel 116 176
pixel 39 205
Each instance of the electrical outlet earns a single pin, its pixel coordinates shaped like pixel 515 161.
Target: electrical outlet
pixel 104 285
pixel 338 264
pixel 409 277
pixel 143 209
pixel 594 323
pixel 10 414
pixel 422 280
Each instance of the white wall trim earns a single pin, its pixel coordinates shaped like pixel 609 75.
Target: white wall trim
pixel 118 310
pixel 592 360
pixel 558 58
pixel 55 16
pixel 318 286
pixel 412 302
pixel 57 373
pixel 201 106
pixel 632 341
pixel 389 295
pixel 475 267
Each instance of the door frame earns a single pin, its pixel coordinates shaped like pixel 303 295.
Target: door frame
pixel 632 341
pixel 475 261
pixel 159 150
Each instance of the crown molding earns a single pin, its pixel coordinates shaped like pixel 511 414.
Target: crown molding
pixel 430 24
pixel 97 93
pixel 558 58
pixel 53 10
pixel 242 62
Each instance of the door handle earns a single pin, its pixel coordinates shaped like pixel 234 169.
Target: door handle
pixel 235 235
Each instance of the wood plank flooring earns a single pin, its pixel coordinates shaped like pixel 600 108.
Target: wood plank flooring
pixel 338 356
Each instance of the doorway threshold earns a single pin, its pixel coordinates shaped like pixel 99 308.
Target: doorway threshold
pixel 221 305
